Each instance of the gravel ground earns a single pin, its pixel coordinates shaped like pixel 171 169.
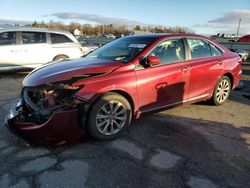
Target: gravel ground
pixel 191 146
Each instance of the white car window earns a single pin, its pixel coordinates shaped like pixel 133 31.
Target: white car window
pixel 58 38
pixel 7 38
pixel 33 37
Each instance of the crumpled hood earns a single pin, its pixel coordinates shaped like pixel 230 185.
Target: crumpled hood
pixel 65 70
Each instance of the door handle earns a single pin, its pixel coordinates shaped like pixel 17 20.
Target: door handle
pixel 185 69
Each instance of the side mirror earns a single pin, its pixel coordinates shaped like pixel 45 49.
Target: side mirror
pixel 153 60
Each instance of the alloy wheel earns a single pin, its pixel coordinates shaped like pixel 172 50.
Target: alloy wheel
pixel 223 90
pixel 111 117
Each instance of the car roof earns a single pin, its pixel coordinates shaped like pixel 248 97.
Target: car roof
pixel 166 35
pixel 162 36
pixel 35 29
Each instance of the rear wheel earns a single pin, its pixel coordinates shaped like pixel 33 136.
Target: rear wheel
pixel 60 57
pixel 222 91
pixel 109 116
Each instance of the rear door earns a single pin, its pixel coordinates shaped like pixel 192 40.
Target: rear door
pixel 35 48
pixel 63 45
pixel 206 67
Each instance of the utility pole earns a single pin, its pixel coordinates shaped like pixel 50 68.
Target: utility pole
pixel 238 29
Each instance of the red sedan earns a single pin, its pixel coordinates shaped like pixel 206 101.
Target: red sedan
pixel 102 92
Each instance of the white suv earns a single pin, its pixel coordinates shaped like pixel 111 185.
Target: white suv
pixel 31 47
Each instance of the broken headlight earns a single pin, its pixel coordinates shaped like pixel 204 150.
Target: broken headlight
pixel 57 96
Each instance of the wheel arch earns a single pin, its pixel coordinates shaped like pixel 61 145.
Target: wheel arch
pixel 230 76
pixel 58 55
pixel 126 96
pixel 87 106
pixel 123 93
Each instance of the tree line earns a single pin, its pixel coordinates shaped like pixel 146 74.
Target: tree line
pixel 88 29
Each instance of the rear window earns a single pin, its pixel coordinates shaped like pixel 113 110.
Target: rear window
pixel 198 48
pixel 8 38
pixel 201 48
pixel 58 38
pixel 215 50
pixel 33 37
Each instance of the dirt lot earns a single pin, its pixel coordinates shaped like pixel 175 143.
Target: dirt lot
pixel 190 146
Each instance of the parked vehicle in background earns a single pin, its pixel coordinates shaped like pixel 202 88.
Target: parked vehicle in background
pixel 94 40
pixel 87 48
pixel 31 47
pixel 245 39
pixel 118 82
pixel 241 45
pixel 111 36
pixel 242 53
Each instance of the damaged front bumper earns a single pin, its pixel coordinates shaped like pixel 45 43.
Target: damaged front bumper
pixel 62 127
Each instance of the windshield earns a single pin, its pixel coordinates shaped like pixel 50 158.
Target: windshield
pixel 123 50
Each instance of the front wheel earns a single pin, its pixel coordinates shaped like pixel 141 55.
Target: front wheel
pixel 109 116
pixel 222 91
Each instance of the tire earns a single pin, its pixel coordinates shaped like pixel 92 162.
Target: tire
pixel 60 57
pixel 104 125
pixel 222 91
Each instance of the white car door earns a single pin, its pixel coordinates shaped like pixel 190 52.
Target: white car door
pixel 9 49
pixel 35 49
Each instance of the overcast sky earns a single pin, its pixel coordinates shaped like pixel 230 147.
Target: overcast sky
pixel 202 16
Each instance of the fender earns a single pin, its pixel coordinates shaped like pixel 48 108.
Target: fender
pixel 93 90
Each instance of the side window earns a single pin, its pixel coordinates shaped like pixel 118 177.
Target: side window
pixel 58 38
pixel 170 51
pixel 8 38
pixel 33 37
pixel 198 48
pixel 215 50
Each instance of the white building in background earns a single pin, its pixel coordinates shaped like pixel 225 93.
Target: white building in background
pixel 77 32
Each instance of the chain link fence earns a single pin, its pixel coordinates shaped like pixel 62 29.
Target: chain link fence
pixel 94 40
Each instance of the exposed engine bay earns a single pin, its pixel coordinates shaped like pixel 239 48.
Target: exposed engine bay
pixel 39 103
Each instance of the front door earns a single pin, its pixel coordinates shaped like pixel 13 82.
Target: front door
pixel 9 50
pixel 167 83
